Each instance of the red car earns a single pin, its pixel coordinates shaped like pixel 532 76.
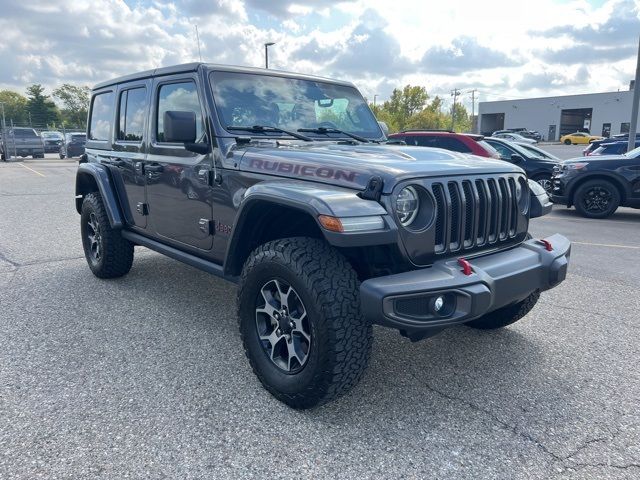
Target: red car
pixel 458 142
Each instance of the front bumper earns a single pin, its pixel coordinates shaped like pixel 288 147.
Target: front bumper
pixel 405 301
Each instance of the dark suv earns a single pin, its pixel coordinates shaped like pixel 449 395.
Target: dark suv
pixel 456 142
pixel 597 185
pixel 282 183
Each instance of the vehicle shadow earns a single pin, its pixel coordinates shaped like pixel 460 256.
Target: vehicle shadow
pixel 622 214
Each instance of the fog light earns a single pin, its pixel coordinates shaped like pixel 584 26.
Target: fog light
pixel 438 304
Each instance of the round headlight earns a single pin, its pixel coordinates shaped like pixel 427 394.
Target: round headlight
pixel 407 204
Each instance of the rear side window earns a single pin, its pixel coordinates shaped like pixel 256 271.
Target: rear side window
pixel 101 116
pixel 182 97
pixel 451 143
pixel 131 114
pixel 426 141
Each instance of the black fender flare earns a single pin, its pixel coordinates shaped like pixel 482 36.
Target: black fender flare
pixel 91 175
pixel 313 200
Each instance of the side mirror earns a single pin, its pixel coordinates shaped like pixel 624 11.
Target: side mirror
pixel 384 127
pixel 515 158
pixel 179 127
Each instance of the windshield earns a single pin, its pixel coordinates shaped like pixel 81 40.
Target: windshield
pixel 633 153
pixel 247 99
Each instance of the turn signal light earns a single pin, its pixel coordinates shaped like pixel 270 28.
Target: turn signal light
pixel 332 224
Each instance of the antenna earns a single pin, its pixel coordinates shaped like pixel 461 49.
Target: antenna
pixel 198 39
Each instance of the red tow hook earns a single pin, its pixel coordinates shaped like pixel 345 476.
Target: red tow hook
pixel 466 266
pixel 547 244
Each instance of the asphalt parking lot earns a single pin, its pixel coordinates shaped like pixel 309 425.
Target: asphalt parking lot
pixel 145 377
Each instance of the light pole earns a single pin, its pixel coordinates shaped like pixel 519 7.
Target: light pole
pixel 3 128
pixel 266 53
pixel 633 125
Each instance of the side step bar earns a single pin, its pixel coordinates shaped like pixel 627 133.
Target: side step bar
pixel 176 254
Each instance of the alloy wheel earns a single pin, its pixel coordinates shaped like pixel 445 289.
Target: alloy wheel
pixel 283 326
pixel 94 236
pixel 597 199
pixel 546 184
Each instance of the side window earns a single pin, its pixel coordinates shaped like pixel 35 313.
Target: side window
pixel 455 145
pixel 131 114
pixel 504 152
pixel 427 141
pixel 101 116
pixel 182 97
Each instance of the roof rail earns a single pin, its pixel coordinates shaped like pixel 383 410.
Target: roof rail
pixel 426 130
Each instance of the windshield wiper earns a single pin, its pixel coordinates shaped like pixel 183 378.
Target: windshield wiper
pixel 334 130
pixel 267 128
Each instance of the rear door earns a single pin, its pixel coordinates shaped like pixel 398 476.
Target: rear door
pixel 130 149
pixel 178 181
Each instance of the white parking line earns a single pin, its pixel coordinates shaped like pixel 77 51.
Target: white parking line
pixel 37 173
pixel 606 245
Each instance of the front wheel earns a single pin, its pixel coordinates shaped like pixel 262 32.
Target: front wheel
pixel 300 321
pixel 597 199
pixel 567 142
pixel 107 253
pixel 506 315
pixel 545 182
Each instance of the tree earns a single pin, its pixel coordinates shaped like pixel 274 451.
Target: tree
pixel 15 107
pixel 462 118
pixel 75 100
pixel 405 103
pixel 40 107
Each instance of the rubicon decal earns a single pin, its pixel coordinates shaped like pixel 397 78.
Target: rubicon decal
pixel 304 170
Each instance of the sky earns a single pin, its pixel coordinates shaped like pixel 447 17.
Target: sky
pixel 501 49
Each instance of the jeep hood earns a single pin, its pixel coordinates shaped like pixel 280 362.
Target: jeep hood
pixel 352 166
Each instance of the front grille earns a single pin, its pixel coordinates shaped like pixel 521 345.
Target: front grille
pixel 472 214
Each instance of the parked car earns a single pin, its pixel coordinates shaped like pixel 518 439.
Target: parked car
pixel 73 145
pixel 325 229
pixel 538 151
pixel 533 134
pixel 613 148
pixel 514 137
pixel 579 138
pixel 598 185
pixel 536 166
pixel 22 142
pixel 52 141
pixel 593 146
pixel 448 140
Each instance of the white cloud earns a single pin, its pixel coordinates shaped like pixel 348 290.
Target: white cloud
pixel 507 49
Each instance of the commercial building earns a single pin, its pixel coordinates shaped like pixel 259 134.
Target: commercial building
pixel 598 113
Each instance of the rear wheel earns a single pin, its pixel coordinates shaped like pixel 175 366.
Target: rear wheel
pixel 107 253
pixel 597 199
pixel 506 315
pixel 300 321
pixel 567 142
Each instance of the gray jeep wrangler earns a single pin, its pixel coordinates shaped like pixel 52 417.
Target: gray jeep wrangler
pixel 283 183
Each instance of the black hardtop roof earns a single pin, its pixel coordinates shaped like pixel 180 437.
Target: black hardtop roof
pixel 192 67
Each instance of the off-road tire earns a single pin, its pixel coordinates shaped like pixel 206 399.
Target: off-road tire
pixel 584 189
pixel 329 289
pixel 116 252
pixel 506 315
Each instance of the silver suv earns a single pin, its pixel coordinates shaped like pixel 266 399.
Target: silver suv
pixel 21 142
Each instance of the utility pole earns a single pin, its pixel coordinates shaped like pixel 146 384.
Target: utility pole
pixel 633 127
pixel 198 40
pixel 266 53
pixel 374 101
pixel 454 93
pixel 473 110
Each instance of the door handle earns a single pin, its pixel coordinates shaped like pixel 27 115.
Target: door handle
pixel 116 162
pixel 154 167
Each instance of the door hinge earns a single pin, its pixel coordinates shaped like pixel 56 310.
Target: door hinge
pixel 142 208
pixel 206 226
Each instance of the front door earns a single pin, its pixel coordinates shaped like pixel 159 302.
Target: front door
pixel 129 149
pixel 178 181
pixel 552 134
